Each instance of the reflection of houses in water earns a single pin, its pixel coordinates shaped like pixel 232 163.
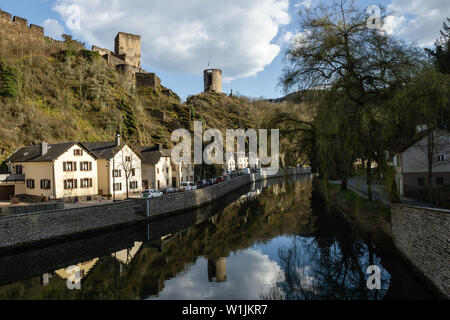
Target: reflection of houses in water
pixel 126 255
pixel 217 269
pixel 66 273
pixel 250 195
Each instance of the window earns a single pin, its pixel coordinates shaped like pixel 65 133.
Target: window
pixel 133 185
pixel 440 181
pixel 19 169
pixel 77 152
pixel 421 181
pixel 70 184
pixel 157 170
pixel 45 184
pixel 30 183
pixel 167 182
pixel 441 158
pixel 86 183
pixel 117 173
pixel 167 170
pixel 145 184
pixel 118 187
pixel 133 172
pixel 86 166
pixel 128 159
pixel 69 166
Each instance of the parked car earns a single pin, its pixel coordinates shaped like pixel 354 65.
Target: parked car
pixel 169 190
pixel 193 186
pixel 233 174
pixel 185 186
pixel 220 179
pixel 246 171
pixel 151 193
pixel 212 181
pixel 203 184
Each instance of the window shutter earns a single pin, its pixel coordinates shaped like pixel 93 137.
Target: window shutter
pixel 64 166
pixel 74 166
pixel 90 183
pixel 90 166
pixel 75 183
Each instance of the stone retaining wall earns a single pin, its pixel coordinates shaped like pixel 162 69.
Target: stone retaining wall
pixel 40 207
pixel 26 229
pixel 423 236
pixel 180 202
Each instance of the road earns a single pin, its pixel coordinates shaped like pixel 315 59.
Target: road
pixel 379 191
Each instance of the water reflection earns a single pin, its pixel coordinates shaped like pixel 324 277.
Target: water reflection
pixel 274 241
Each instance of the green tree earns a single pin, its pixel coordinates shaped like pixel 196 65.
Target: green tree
pixel 358 68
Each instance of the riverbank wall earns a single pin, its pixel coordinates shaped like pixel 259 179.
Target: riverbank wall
pixel 161 207
pixel 422 235
pixel 25 230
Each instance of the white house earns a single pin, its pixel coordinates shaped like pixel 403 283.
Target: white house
pixel 159 171
pixel 119 169
pixel 412 164
pixel 55 171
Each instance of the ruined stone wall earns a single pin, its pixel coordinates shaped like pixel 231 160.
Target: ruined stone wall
pixel 147 80
pixel 16 28
pixel 128 47
pixel 423 236
pixel 101 51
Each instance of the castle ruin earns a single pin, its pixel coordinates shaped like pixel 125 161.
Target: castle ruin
pixel 126 59
pixel 213 80
pixel 16 28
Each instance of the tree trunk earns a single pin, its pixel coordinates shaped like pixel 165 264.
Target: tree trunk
pixel 369 178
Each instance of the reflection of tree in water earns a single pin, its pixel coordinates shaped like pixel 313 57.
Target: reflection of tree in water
pixel 330 265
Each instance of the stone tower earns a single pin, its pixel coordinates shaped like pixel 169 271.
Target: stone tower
pixel 213 80
pixel 128 48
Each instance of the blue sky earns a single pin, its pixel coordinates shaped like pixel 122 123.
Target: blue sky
pixel 246 39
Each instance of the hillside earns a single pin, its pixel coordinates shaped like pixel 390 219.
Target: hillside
pixel 75 95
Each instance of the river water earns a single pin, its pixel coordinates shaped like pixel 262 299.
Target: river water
pixel 273 240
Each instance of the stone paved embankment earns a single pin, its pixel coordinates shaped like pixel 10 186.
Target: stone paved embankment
pixel 30 229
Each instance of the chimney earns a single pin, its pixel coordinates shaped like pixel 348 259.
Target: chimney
pixel 118 140
pixel 44 148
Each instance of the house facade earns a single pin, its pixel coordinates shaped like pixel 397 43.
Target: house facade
pixel 119 169
pixel 412 164
pixel 55 171
pixel 159 171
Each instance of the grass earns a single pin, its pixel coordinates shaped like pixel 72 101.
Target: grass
pixel 371 217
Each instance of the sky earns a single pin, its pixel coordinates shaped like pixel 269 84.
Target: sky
pixel 247 39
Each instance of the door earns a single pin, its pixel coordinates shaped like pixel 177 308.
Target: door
pixel 6 192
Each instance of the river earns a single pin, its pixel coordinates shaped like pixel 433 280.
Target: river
pixel 274 240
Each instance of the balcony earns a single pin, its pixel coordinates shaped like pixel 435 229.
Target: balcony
pixel 11 178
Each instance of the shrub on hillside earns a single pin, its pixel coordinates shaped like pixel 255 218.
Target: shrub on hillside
pixel 11 80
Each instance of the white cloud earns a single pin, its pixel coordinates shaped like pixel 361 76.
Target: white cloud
pixel 249 274
pixel 53 29
pixel 418 20
pixel 306 3
pixel 183 37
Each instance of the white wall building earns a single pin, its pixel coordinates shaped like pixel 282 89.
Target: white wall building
pixel 119 169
